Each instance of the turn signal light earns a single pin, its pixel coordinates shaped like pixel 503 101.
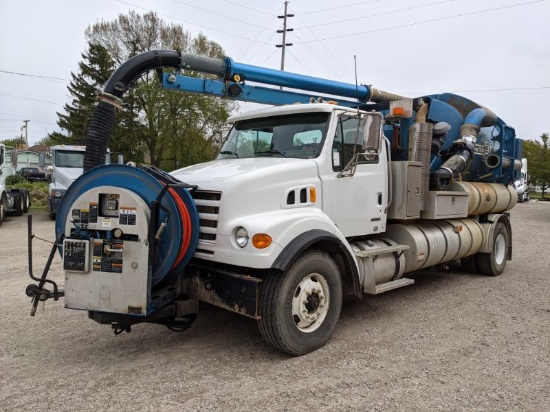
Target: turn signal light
pixel 261 240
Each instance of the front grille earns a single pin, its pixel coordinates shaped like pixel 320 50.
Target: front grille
pixel 208 206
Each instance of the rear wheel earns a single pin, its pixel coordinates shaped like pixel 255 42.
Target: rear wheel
pixel 27 201
pixel 493 264
pixel 18 203
pixel 469 264
pixel 299 308
pixel 1 212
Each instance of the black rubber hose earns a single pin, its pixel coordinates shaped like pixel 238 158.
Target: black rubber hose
pixel 98 135
pixel 103 120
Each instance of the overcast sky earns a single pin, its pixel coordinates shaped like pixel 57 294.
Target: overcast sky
pixel 495 52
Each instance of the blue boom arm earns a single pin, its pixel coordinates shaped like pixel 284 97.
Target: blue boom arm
pixel 233 78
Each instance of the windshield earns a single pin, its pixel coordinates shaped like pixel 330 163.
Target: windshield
pixel 64 158
pixel 299 136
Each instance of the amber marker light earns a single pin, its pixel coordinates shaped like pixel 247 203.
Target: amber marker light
pixel 312 194
pixel 261 240
pixel 398 111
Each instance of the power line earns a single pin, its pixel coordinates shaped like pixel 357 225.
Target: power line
pixel 214 13
pixel 427 21
pixel 189 22
pixel 380 14
pixel 36 76
pixel 34 100
pixel 258 36
pixel 341 7
pixel 35 120
pixel 249 8
pixel 326 48
pixel 504 89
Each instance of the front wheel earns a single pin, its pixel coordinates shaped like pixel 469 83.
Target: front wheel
pixel 493 264
pixel 300 307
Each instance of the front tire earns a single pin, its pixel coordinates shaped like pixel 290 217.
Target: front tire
pixel 300 307
pixel 493 264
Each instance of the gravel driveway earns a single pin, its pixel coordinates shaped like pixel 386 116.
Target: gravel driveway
pixel 452 341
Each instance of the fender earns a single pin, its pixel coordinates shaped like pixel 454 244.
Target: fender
pixel 489 230
pixel 331 244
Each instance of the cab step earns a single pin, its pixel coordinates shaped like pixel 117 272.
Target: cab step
pixel 394 284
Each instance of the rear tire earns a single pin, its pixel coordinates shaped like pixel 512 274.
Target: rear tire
pixel 1 212
pixel 469 264
pixel 18 203
pixel 27 201
pixel 493 264
pixel 299 308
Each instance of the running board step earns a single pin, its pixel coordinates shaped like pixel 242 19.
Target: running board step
pixel 394 284
pixel 376 251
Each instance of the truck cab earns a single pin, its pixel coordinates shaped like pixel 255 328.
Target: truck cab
pixel 67 166
pixel 298 159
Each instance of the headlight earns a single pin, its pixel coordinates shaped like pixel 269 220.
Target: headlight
pixel 241 237
pixel 57 192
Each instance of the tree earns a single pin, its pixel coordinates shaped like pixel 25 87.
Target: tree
pixel 95 69
pixel 12 142
pixel 175 128
pixel 538 159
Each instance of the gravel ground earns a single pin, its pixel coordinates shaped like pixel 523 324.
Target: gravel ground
pixel 452 341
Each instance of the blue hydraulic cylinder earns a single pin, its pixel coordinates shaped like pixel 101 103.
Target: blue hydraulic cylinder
pixel 297 81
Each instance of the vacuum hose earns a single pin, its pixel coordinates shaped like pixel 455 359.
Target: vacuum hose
pixel 464 148
pixel 120 81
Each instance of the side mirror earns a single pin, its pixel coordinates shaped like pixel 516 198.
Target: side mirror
pixel 49 168
pixel 372 124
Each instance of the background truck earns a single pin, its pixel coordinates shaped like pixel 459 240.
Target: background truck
pixel 33 174
pixel 67 165
pixel 347 192
pixel 522 182
pixel 12 201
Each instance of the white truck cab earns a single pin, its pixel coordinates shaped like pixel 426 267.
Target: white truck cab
pixel 67 166
pixel 290 159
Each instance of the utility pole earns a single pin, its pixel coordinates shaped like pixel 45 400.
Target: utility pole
pixel 284 45
pixel 26 131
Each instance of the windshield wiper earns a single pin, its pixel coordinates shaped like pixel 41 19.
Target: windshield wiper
pixel 229 152
pixel 272 151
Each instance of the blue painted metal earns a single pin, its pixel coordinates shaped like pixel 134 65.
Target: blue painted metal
pixel 249 93
pixel 148 188
pixel 475 117
pixel 297 81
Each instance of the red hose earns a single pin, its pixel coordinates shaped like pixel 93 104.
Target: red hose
pixel 186 223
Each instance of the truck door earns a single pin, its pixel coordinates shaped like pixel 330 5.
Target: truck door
pixel 356 201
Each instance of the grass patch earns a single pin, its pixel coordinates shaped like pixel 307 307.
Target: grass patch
pixel 38 192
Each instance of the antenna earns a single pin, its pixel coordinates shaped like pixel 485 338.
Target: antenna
pixel 358 102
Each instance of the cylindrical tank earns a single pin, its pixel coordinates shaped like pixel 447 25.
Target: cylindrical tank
pixel 486 197
pixel 433 243
pixel 387 266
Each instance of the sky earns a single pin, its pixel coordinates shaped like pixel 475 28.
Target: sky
pixel 494 52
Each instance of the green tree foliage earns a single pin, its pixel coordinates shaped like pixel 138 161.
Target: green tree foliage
pixel 95 69
pixel 175 129
pixel 538 160
pixel 12 142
